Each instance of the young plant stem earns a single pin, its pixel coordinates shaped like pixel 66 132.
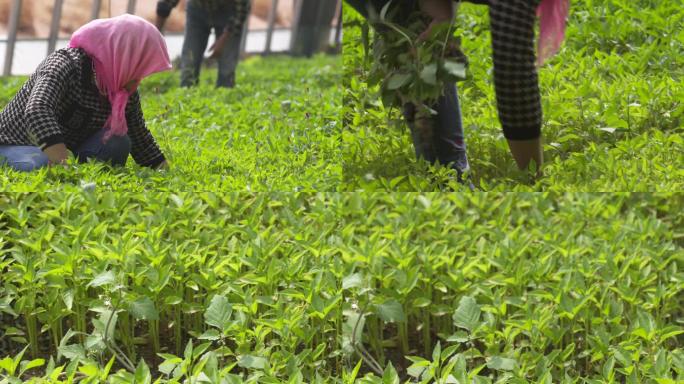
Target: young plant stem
pixel 127 335
pixel 80 313
pixel 360 349
pixel 57 332
pixel 113 348
pixel 403 337
pixel 32 330
pixel 153 326
pixel 427 338
pixel 177 330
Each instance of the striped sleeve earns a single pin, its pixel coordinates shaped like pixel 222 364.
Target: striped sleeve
pixel 515 72
pixel 238 18
pixel 144 148
pixel 51 83
pixel 164 7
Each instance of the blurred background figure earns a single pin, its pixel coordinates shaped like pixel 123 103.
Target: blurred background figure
pixel 315 22
pixel 226 18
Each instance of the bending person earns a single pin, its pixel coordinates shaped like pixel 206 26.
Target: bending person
pixel 227 18
pixel 515 73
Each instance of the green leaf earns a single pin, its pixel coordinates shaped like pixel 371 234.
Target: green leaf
pixel 397 81
pixel 355 371
pixel 607 370
pixel 501 364
pixel 26 365
pixel 661 365
pixel 89 370
pixel 218 313
pixel 353 281
pixel 143 309
pixel 391 311
pixel 104 278
pixel 455 69
pixel 142 373
pixel 646 321
pixel 418 368
pixel 437 352
pixel 68 298
pixel 421 302
pixel 73 352
pixel 424 201
pixel 429 74
pixel 172 300
pixel 390 375
pixel 252 362
pixel 7 364
pixel 467 314
pixel 168 366
pixel 459 337
pixel 210 334
pixel 623 357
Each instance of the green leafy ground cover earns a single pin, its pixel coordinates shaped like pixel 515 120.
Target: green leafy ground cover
pixel 299 287
pixel 612 101
pixel 278 130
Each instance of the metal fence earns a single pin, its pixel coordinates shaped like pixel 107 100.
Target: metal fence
pixel 15 13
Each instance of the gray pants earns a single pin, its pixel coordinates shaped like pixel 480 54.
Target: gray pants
pixel 198 25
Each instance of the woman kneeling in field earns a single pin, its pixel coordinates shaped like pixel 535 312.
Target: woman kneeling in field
pixel 84 98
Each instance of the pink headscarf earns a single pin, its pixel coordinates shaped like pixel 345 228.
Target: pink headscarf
pixel 123 48
pixel 553 15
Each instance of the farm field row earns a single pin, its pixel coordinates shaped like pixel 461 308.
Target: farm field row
pixel 285 287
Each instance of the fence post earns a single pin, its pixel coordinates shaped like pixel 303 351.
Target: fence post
pixel 54 26
pixel 294 28
pixel 245 32
pixel 271 24
pixel 12 36
pixel 314 26
pixel 97 4
pixel 338 31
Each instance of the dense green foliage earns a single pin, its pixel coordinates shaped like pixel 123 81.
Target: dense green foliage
pixel 277 130
pixel 269 288
pixel 612 101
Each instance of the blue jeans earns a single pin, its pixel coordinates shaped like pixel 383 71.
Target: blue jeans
pixel 440 138
pixel 27 158
pixel 198 25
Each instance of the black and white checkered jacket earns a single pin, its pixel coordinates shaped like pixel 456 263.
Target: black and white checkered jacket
pixel 60 103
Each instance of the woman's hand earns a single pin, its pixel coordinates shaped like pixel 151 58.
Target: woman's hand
pixel 441 11
pixel 57 153
pixel 163 166
pixel 218 45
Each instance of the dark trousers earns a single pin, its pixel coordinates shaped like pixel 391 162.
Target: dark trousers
pixel 198 26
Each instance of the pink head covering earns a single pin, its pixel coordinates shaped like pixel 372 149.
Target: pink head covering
pixel 553 15
pixel 123 49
